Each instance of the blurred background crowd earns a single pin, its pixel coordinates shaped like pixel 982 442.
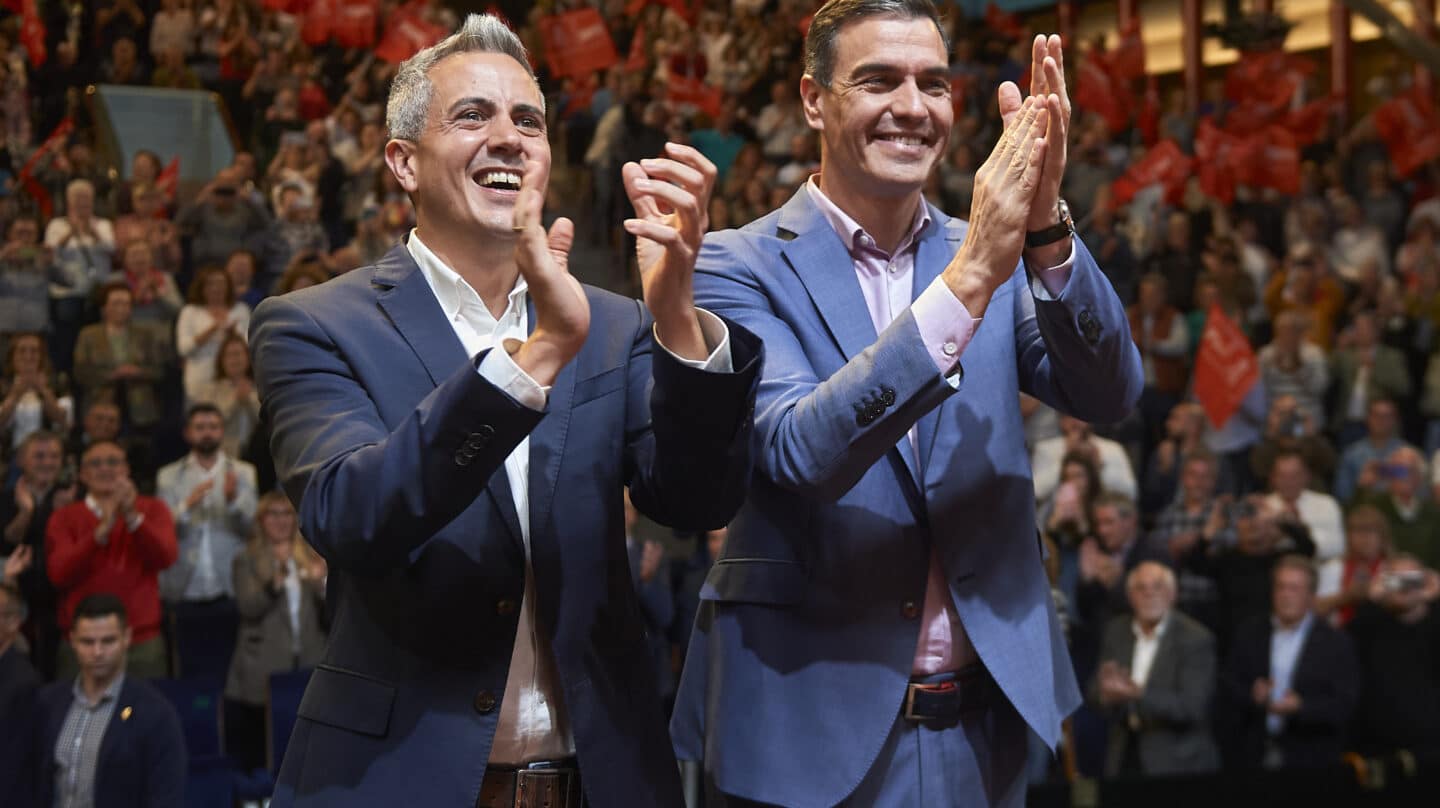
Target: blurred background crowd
pixel 1246 566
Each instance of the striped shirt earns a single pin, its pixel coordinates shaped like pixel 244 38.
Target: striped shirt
pixel 77 750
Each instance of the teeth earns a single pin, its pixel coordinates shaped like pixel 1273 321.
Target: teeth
pixel 506 179
pixel 904 140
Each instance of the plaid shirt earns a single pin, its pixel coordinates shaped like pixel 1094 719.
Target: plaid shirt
pixel 1198 594
pixel 77 750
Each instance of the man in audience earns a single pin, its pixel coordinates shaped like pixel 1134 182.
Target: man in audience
pixel 1184 434
pixel 1104 562
pixel 24 513
pixel 221 220
pixel 1290 683
pixel 1382 437
pixel 105 737
pixel 1397 645
pixel 115 541
pixel 1116 473
pixel 1364 369
pixel 18 683
pixel 1289 427
pixel 1156 682
pixel 1195 517
pixel 1291 494
pixel 1396 486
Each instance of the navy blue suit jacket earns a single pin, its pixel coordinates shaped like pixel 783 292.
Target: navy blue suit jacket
pixel 142 757
pixel 393 448
pixel 807 634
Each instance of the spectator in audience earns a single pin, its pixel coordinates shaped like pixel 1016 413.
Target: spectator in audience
pixel 1291 495
pixel 211 314
pixel 155 300
pixel 1343 583
pixel 242 266
pixel 719 142
pixel 172 73
pixel 1290 682
pixel 1109 457
pixel 105 737
pixel 1184 435
pixel 305 270
pixel 1293 366
pixel 1105 558
pixel 1304 284
pixel 1396 631
pixel 1194 518
pixel 148 221
pixel 173 27
pixel 115 541
pixel 1234 439
pixel 27 272
pixel 1156 683
pixel 25 510
pixel 124 66
pixel 651 574
pixel 1160 332
pixel 83 244
pixel 279 585
pixel 1396 486
pixel 1382 438
pixel 117 360
pixel 18 684
pixel 1288 428
pixel 233 392
pixel 1364 369
pixel 32 396
pixel 145 170
pixel 1356 243
pixel 212 498
pixel 297 228
pixel 779 122
pixel 221 220
pixel 1178 260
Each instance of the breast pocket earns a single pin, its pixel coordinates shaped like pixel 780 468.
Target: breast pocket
pixel 764 581
pixel 601 384
pixel 348 700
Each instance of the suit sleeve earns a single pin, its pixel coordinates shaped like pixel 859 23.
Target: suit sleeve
pixel 1331 687
pixel 1188 703
pixel 812 438
pixel 367 494
pixel 1074 351
pixel 691 449
pixel 165 761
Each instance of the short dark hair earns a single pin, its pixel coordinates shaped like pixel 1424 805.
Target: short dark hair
pixel 196 293
pixel 99 606
pixel 832 17
pixel 102 295
pixel 202 408
pixel 1292 561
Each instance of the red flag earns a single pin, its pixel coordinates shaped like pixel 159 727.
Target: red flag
pixel 686 90
pixel 1277 160
pixel 1165 165
pixel 1411 130
pixel 316 24
pixel 407 33
pixel 577 43
pixel 32 32
pixel 1095 91
pixel 1214 156
pixel 168 180
pixel 638 57
pixel 1225 367
pixel 53 143
pixel 1127 61
pixel 1308 123
pixel 354 23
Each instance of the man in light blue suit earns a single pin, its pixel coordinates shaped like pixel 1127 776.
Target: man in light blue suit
pixel 879 630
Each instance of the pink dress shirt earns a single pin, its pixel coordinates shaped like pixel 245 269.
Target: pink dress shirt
pixel 887 281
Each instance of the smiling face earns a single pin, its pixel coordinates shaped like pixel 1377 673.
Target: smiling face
pixel 485 127
pixel 886 117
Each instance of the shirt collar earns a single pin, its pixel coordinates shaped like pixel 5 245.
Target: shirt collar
pixel 1159 628
pixel 450 289
pixel 111 692
pixel 850 231
pixel 94 505
pixel 1300 628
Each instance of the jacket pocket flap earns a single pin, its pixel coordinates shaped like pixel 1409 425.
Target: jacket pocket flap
pixel 598 385
pixel 348 700
pixel 755 580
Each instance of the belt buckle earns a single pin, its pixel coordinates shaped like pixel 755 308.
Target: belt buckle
pixel 915 687
pixel 541 788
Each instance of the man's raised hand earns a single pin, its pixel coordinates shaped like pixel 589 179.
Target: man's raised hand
pixel 562 313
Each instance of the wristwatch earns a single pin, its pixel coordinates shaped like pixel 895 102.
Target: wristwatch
pixel 1055 232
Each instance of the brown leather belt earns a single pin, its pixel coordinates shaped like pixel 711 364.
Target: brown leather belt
pixel 546 784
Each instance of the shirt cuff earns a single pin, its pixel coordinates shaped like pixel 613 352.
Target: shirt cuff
pixel 717 339
pixel 1052 279
pixel 946 327
pixel 500 369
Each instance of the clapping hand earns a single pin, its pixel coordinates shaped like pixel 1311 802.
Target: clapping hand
pixel 18 561
pixel 562 312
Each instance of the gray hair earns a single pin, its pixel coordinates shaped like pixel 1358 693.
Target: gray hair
pixel 410 91
pixel 1166 574
pixel 827 23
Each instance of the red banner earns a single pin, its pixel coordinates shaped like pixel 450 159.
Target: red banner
pixel 1003 22
pixel 638 57
pixel 686 90
pixel 52 144
pixel 578 43
pixel 1225 367
pixel 407 34
pixel 1096 91
pixel 1127 61
pixel 1411 130
pixel 1165 165
pixel 32 32
pixel 315 25
pixel 1214 155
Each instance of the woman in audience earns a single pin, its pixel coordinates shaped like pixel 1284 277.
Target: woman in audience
pixel 119 361
pixel 211 314
pixel 307 269
pixel 233 391
pixel 280 592
pixel 156 299
pixel 32 397
pixel 1344 582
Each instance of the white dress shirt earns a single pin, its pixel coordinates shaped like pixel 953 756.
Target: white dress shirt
pixel 1285 647
pixel 1142 659
pixel 533 722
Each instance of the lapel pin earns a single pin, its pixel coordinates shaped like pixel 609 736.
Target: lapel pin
pixel 125 714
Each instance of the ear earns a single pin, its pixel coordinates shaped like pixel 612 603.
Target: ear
pixel 812 99
pixel 400 156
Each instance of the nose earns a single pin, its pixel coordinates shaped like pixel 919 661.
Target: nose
pixel 908 102
pixel 504 135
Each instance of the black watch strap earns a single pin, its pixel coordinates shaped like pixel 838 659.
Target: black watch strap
pixel 1050 235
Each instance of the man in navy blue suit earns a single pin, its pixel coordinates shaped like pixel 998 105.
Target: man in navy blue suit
pixel 457 424
pixel 879 630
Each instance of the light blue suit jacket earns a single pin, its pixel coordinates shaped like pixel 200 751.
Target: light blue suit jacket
pixel 804 643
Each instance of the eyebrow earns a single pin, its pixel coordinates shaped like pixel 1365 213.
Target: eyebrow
pixel 886 67
pixel 486 103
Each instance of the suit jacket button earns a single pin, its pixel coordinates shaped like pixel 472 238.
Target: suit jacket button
pixel 463 458
pixel 484 702
pixel 909 610
pixel 887 396
pixel 505 607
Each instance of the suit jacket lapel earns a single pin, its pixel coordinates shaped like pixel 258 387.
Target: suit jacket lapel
pixel 938 244
pixel 119 718
pixel 408 300
pixel 818 256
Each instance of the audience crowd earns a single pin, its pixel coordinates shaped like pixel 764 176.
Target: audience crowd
pixel 1254 593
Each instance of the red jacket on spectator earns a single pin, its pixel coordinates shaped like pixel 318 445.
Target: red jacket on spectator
pixel 126 566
